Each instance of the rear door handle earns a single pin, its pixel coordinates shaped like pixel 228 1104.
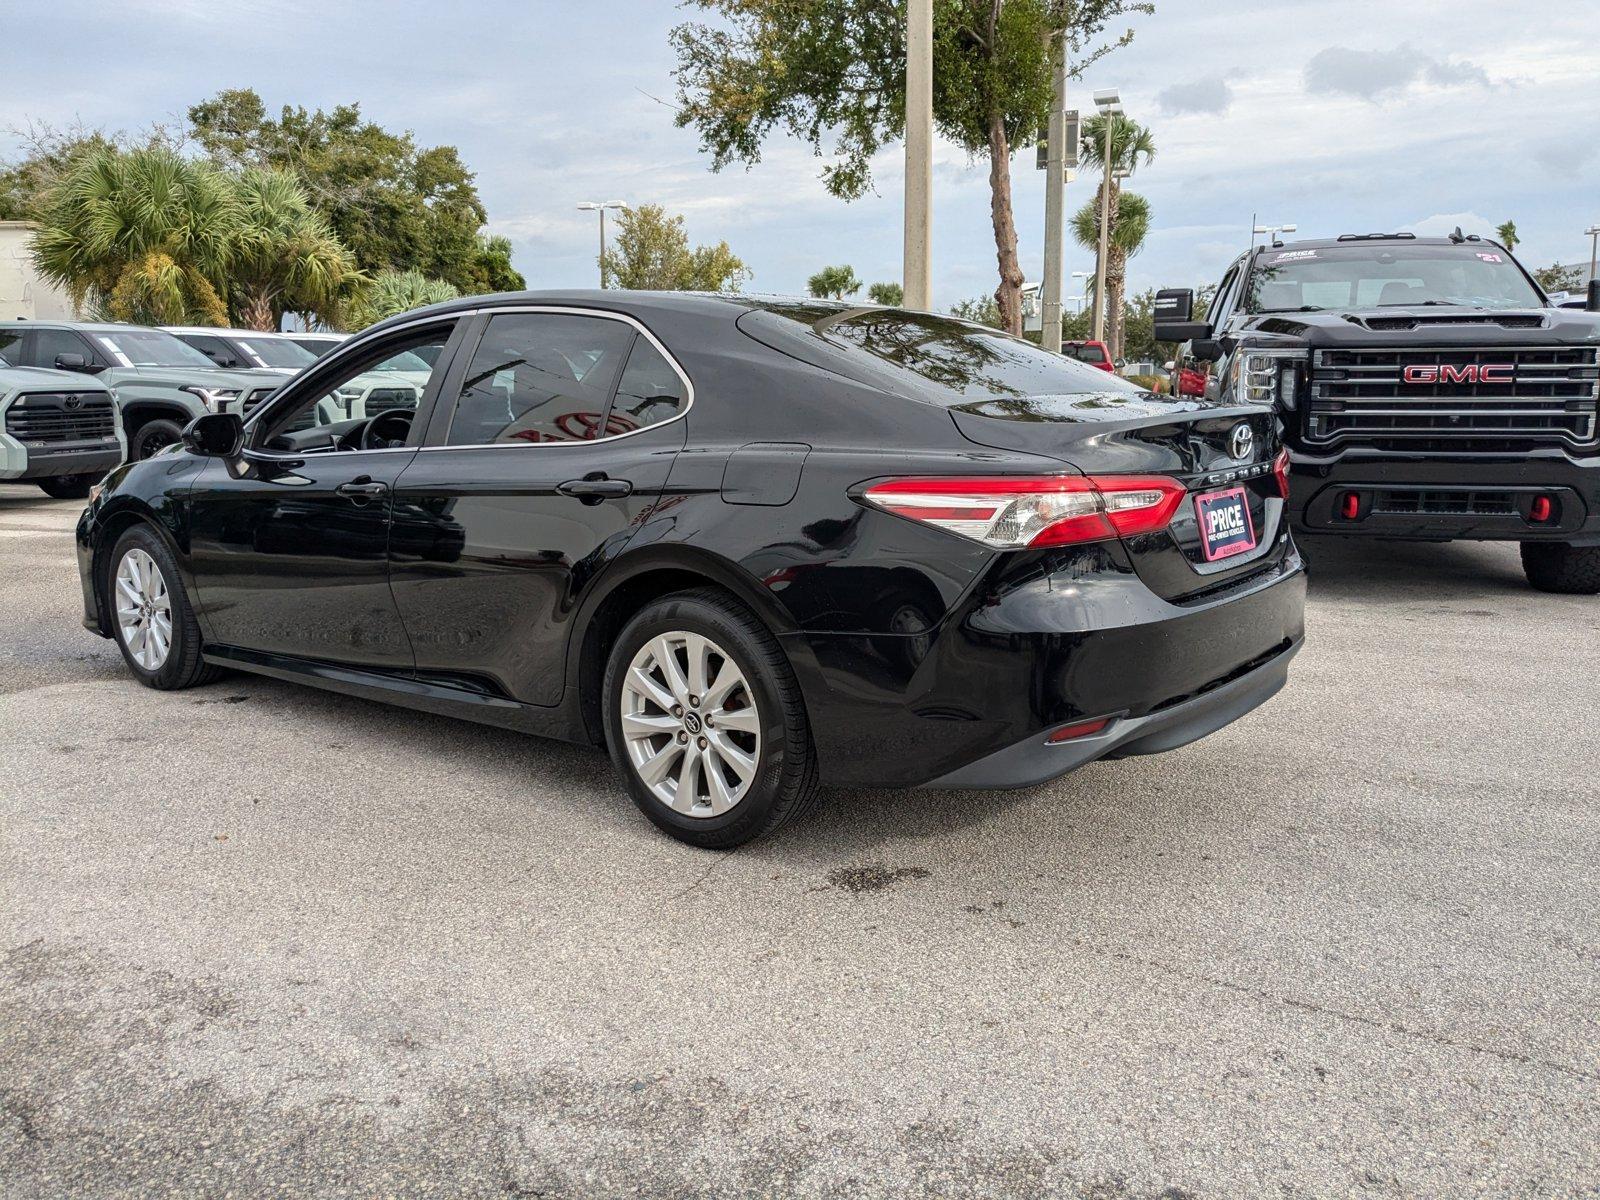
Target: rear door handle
pixel 362 488
pixel 592 489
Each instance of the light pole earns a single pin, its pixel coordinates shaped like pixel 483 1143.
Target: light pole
pixel 1082 298
pixel 1272 231
pixel 916 263
pixel 600 207
pixel 1594 240
pixel 1054 200
pixel 1109 103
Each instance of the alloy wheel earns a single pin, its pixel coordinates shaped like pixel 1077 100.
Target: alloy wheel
pixel 690 724
pixel 144 609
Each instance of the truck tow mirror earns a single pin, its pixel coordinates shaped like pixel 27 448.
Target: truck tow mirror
pixel 1174 313
pixel 1593 302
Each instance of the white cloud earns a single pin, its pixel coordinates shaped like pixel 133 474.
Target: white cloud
pixel 1375 74
pixel 1197 96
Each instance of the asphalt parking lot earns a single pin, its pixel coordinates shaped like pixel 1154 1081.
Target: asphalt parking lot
pixel 261 940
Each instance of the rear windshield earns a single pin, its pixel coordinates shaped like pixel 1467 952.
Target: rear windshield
pixel 1387 275
pixel 967 362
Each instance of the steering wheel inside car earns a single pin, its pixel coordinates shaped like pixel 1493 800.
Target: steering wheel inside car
pixel 386 431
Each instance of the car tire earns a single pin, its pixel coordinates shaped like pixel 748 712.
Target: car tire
pixel 67 487
pixel 178 664
pixel 152 438
pixel 640 724
pixel 1563 568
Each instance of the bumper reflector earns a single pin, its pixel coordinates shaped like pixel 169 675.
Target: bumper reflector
pixel 1350 506
pixel 1542 509
pixel 1082 729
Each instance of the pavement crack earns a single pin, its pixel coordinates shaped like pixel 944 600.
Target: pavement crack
pixel 1380 1023
pixel 704 875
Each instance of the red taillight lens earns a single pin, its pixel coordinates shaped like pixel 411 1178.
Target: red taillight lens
pixel 1083 729
pixel 1051 510
pixel 1280 473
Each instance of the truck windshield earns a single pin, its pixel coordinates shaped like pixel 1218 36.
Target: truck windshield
pixel 278 352
pixel 1386 275
pixel 153 348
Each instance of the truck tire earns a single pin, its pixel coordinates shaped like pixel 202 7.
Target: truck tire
pixel 67 487
pixel 1559 567
pixel 152 437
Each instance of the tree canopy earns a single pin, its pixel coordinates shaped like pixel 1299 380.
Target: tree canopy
pixel 395 292
pixel 832 74
pixel 395 205
pixel 834 282
pixel 150 236
pixel 891 294
pixel 651 252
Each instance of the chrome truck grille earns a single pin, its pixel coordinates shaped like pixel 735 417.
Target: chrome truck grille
pixel 1454 398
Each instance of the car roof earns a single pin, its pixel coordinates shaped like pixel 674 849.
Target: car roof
pixel 727 305
pixel 85 326
pixel 1374 239
pixel 213 330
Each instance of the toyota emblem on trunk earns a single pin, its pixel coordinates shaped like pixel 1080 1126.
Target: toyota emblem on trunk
pixel 1242 442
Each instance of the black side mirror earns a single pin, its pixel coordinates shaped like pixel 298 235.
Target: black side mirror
pixel 1174 316
pixel 1593 302
pixel 1206 349
pixel 76 362
pixel 214 435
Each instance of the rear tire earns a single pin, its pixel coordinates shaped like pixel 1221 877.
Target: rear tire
pixel 67 487
pixel 1559 567
pixel 152 438
pixel 764 715
pixel 162 653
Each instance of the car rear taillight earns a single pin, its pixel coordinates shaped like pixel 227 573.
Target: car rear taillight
pixel 1280 473
pixel 1009 512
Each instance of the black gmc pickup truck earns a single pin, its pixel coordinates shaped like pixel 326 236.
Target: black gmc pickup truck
pixel 1427 389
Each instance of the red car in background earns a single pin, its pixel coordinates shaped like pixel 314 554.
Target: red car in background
pixel 1191 382
pixel 1091 352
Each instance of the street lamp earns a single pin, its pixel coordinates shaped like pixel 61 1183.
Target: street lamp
pixel 1271 230
pixel 1109 102
pixel 1594 239
pixel 599 207
pixel 1080 300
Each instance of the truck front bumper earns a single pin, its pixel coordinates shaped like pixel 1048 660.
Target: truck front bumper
pixel 1545 496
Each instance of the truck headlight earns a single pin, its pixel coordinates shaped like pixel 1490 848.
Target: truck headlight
pixel 1267 376
pixel 215 399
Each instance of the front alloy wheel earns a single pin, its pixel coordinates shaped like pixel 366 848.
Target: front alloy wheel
pixel 690 723
pixel 704 717
pixel 144 609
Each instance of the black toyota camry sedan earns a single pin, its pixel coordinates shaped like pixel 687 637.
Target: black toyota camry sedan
pixel 746 544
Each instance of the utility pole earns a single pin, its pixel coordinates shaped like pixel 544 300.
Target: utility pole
pixel 917 271
pixel 1055 185
pixel 1594 242
pixel 595 206
pixel 1110 104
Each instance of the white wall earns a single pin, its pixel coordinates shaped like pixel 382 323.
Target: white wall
pixel 22 292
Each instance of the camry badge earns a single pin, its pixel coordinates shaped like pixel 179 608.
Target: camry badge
pixel 1242 442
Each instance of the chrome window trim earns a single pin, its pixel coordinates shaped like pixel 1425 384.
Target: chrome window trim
pixel 354 340
pixel 604 314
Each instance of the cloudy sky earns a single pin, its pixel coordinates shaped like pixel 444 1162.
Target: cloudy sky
pixel 1339 116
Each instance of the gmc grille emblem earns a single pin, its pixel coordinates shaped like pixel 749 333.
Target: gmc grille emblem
pixel 1466 373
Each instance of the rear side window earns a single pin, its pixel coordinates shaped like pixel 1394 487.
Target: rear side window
pixel 540 377
pixel 650 391
pixel 11 347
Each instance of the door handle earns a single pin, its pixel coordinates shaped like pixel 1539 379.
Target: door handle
pixel 592 489
pixel 362 488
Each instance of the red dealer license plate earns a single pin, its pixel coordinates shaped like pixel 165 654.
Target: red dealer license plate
pixel 1225 528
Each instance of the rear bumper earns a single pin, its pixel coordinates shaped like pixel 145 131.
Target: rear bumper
pixel 1051 639
pixel 1036 761
pixel 1444 498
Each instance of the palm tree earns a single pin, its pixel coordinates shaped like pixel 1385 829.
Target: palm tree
pixel 143 236
pixel 1507 233
pixel 1130 226
pixel 288 259
pixel 392 292
pixel 834 282
pixel 1132 145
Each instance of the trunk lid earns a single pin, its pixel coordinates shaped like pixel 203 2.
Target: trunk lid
pixel 1199 443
